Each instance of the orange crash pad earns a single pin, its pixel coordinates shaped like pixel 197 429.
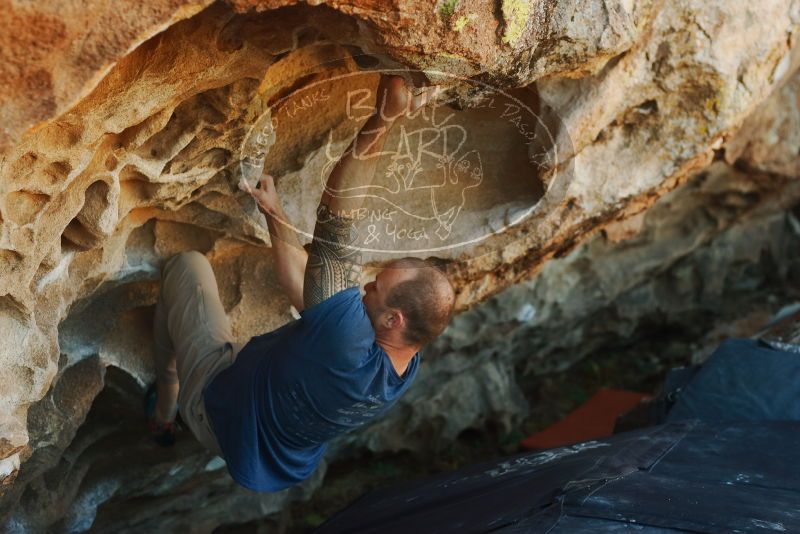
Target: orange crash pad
pixel 593 419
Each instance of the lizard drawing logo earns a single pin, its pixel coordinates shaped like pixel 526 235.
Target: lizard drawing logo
pixel 461 169
pixel 425 173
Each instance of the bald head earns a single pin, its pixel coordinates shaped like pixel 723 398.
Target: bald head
pixel 425 298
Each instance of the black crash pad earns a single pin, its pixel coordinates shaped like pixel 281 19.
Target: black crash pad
pixel 686 476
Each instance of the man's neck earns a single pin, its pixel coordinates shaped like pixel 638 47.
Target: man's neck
pixel 399 354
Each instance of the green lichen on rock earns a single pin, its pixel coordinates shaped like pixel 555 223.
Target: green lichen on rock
pixel 447 8
pixel 516 14
pixel 462 21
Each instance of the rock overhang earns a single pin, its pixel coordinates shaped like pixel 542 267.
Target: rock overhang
pixel 135 155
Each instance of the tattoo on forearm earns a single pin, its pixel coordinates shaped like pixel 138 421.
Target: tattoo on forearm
pixel 334 259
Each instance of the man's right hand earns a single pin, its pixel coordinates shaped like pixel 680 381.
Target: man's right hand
pixel 265 196
pixel 396 99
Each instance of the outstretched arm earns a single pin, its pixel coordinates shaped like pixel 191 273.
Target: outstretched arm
pixel 290 257
pixel 334 261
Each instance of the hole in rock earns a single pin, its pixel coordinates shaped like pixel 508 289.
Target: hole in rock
pixel 132 137
pixel 24 165
pixel 86 230
pixel 135 187
pixel 23 206
pixel 362 59
pixel 173 237
pixel 76 238
pixel 647 107
pixel 161 143
pixel 111 162
pixel 115 443
pixel 60 135
pixel 196 156
pixel 134 192
pixel 10 257
pixel 211 107
pixel 97 193
pixel 110 441
pixel 57 171
pixel 280 56
pixel 102 464
pixel 305 36
pixel 601 136
pixel 472 435
pixel 129 172
pixel 11 307
pixel 190 129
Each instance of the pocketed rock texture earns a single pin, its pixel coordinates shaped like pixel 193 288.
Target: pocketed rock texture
pixel 123 127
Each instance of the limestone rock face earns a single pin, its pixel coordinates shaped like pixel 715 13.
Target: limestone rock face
pixel 125 127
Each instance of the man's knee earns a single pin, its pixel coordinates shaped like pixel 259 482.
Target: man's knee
pixel 182 272
pixel 190 257
pixel 188 260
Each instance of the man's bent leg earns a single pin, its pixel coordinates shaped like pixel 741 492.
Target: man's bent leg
pixel 166 371
pixel 199 332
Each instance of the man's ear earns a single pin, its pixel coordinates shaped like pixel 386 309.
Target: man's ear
pixel 395 319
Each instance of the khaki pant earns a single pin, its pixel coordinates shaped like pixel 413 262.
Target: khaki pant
pixel 192 337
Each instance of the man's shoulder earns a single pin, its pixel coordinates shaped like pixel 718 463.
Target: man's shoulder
pixel 339 326
pixel 350 297
pixel 344 311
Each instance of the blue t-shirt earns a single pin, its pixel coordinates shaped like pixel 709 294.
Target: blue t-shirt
pixel 292 390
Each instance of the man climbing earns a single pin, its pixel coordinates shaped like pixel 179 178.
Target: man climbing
pixel 269 408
